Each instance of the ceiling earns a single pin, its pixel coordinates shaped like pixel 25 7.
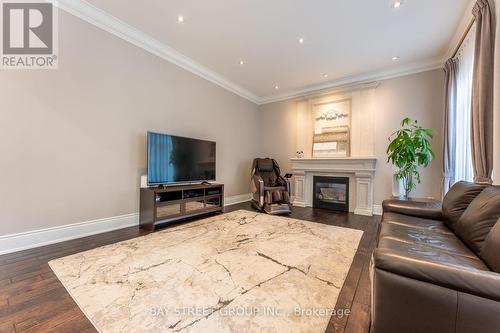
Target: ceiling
pixel 346 40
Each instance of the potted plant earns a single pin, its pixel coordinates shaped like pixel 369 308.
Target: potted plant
pixel 409 149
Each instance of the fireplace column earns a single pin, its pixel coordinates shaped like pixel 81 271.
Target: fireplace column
pixel 364 193
pixel 300 191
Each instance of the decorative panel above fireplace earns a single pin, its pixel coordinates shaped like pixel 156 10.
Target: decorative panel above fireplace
pixel 331 193
pixel 332 126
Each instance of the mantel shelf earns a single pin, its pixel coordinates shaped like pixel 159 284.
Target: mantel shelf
pixel 335 159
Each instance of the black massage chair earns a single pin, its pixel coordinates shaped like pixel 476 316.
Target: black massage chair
pixel 271 192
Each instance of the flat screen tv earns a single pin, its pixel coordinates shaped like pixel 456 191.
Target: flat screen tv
pixel 174 159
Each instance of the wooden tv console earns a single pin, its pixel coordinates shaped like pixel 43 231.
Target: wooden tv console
pixel 174 203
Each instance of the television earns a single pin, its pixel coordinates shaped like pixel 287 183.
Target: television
pixel 174 159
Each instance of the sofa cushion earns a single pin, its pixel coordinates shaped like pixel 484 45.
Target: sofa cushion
pixel 478 219
pixel 479 282
pixel 457 200
pixel 444 241
pixel 431 255
pixel 430 209
pixel 415 222
pixel 490 251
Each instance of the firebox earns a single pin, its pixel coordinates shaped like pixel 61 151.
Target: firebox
pixel 331 193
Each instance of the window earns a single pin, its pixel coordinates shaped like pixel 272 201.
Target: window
pixel 465 64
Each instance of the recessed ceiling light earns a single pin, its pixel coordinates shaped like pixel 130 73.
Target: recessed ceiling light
pixel 242 62
pixel 301 40
pixel 325 75
pixel 180 19
pixel 397 4
pixel 395 58
pixel 276 87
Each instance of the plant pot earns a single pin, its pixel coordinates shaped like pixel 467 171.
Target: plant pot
pixel 398 189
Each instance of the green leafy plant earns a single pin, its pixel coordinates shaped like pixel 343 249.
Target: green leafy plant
pixel 409 149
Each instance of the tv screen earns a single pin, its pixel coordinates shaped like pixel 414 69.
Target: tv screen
pixel 174 159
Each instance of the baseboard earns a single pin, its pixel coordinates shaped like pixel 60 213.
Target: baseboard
pixel 41 237
pixel 236 199
pixel 377 209
pixel 363 211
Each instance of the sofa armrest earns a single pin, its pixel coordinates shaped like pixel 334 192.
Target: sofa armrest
pixel 425 209
pixel 473 281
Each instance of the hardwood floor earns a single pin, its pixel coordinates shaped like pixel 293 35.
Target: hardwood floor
pixel 33 300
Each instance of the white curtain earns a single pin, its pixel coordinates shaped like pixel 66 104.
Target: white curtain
pixel 465 65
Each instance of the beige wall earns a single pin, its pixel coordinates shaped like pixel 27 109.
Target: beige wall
pixel 278 132
pixel 419 96
pixel 72 140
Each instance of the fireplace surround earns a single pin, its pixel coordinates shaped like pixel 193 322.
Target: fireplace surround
pixel 359 170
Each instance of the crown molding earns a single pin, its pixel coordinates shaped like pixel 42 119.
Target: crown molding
pixel 107 22
pixel 344 89
pixel 358 80
pixel 464 22
pixel 117 27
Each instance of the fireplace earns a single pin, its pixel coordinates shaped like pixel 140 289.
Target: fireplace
pixel 331 193
pixel 360 170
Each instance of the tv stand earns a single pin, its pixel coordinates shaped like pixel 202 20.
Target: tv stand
pixel 160 205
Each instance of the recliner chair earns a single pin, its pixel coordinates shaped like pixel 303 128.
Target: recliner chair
pixel 271 192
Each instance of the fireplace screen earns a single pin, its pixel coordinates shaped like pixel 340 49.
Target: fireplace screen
pixel 331 193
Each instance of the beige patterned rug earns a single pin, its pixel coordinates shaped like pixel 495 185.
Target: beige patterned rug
pixel 236 272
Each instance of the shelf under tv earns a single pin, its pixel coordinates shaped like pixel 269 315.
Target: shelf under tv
pixel 178 202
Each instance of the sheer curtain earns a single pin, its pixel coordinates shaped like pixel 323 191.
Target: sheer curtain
pixel 465 65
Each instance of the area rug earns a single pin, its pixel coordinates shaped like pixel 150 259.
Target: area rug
pixel 236 272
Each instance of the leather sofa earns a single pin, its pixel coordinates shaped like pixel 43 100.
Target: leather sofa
pixel 270 191
pixel 436 266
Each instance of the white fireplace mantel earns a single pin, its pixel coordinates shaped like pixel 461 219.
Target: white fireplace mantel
pixel 360 170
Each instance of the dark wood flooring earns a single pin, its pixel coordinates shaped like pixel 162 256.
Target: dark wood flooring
pixel 33 300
